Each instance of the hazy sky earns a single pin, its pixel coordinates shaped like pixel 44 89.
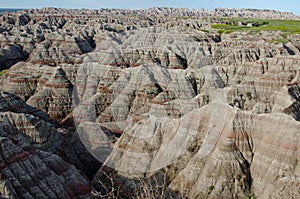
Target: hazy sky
pixel 289 5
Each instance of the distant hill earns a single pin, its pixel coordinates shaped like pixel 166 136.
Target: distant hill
pixel 168 11
pixel 9 9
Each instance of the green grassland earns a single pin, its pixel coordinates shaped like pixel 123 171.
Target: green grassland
pixel 231 25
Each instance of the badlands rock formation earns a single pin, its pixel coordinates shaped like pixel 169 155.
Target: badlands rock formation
pixel 125 103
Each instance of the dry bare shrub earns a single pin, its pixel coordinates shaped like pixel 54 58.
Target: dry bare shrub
pixel 154 187
pixel 108 188
pixel 110 185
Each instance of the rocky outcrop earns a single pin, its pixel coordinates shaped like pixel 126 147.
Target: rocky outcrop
pixel 43 133
pixel 12 103
pixel 31 173
pixel 55 96
pixel 47 88
pixel 171 114
pixel 11 54
pixel 156 96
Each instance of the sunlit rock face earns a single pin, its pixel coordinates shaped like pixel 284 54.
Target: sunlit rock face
pixel 95 97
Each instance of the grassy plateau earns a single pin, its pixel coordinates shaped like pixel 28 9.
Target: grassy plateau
pixel 236 24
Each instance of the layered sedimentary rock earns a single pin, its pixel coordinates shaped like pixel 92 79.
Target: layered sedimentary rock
pixel 27 172
pixel 158 109
pixel 43 132
pixel 13 103
pixel 29 166
pixel 147 92
pixel 47 88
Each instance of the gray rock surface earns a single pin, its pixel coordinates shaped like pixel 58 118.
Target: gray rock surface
pixel 146 92
pixel 27 172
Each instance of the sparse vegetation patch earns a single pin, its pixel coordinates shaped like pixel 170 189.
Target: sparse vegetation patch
pixel 235 24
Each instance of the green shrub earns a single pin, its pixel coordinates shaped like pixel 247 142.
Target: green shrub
pixel 280 41
pixel 2 72
pixel 221 31
pixel 204 30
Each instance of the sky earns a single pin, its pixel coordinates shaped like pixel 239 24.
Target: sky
pixel 289 5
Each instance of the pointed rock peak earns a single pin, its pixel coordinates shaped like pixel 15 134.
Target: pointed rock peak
pixel 59 73
pixel 58 79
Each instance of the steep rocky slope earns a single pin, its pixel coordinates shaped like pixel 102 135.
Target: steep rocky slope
pixel 147 98
pixel 34 152
pixel 214 150
pixel 30 173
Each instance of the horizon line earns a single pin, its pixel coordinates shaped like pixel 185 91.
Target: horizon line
pixel 76 8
